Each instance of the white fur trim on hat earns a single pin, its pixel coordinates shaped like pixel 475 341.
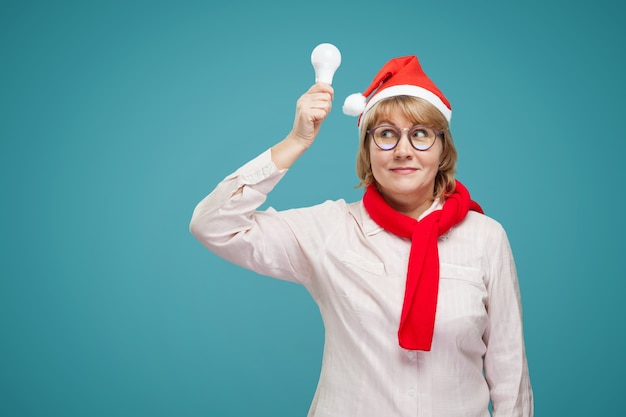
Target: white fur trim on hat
pixel 354 104
pixel 410 90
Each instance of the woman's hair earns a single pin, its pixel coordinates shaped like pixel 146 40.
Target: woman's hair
pixel 417 111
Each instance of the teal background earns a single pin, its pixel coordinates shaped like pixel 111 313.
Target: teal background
pixel 117 117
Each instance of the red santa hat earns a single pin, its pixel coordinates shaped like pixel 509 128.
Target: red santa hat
pixel 401 76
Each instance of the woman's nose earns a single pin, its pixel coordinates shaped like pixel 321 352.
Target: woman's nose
pixel 404 147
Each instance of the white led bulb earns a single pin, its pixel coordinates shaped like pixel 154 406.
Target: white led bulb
pixel 325 58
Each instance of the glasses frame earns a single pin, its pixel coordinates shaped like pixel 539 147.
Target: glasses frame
pixel 437 132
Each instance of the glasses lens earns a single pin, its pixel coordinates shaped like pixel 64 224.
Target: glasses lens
pixel 386 137
pixel 422 137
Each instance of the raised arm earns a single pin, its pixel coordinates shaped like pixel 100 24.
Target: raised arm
pixel 227 221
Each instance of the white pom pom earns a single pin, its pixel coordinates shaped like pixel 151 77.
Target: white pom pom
pixel 354 104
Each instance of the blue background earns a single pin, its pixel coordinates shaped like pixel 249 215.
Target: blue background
pixel 117 117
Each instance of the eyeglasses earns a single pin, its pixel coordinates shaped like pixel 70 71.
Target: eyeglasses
pixel 387 137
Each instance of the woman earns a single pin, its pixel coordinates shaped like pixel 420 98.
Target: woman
pixel 416 287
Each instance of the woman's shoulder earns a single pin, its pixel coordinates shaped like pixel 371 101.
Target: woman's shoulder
pixel 323 219
pixel 476 234
pixel 482 224
pixel 328 211
pixel 482 219
pixel 327 206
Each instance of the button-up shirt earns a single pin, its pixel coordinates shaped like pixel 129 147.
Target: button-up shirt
pixel 356 273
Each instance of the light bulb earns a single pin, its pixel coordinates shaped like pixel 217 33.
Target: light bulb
pixel 325 59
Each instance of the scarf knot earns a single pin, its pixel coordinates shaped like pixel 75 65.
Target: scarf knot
pixel 417 322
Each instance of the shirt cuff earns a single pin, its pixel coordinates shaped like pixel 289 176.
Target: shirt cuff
pixel 260 172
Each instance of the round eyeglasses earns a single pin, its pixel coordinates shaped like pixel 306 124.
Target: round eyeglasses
pixel 387 137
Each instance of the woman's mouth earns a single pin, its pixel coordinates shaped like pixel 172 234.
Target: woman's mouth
pixel 403 170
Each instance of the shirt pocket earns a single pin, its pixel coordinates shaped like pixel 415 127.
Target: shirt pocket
pixel 354 260
pixel 370 293
pixel 461 273
pixel 461 305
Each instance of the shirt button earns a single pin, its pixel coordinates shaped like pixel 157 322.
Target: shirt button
pixel 411 354
pixel 411 392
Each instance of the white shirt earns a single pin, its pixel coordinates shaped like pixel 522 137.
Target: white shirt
pixel 356 273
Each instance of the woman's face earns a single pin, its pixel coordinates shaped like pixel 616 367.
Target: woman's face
pixel 406 176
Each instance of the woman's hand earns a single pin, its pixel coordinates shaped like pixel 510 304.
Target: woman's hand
pixel 311 110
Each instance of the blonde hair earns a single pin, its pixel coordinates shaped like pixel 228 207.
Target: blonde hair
pixel 417 111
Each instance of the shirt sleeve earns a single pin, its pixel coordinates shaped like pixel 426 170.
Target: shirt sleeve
pixel 229 224
pixel 505 364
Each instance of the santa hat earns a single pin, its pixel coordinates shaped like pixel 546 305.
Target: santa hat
pixel 401 76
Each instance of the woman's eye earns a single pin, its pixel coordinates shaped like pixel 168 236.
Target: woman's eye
pixel 388 134
pixel 420 133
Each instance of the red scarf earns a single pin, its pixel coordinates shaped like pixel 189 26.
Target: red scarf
pixel 417 322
